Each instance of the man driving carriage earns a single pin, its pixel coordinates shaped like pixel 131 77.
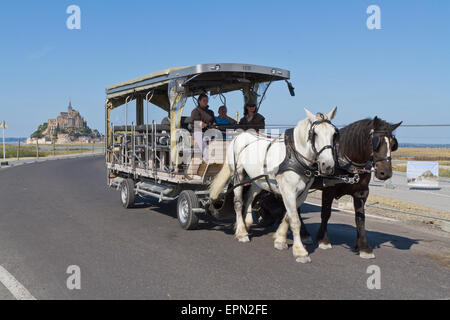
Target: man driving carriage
pixel 202 118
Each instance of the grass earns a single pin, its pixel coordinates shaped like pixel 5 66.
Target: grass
pixel 30 151
pixel 422 154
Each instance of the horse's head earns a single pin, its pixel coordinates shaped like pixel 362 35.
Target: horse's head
pixel 382 144
pixel 322 138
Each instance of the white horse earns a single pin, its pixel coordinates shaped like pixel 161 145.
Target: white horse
pixel 257 156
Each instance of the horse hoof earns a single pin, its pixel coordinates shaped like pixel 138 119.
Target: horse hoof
pixel 280 246
pixel 307 240
pixel 366 255
pixel 325 246
pixel 244 239
pixel 306 259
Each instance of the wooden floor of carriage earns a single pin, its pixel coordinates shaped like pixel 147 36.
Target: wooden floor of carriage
pixel 60 213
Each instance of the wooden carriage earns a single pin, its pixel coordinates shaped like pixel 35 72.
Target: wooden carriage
pixel 160 160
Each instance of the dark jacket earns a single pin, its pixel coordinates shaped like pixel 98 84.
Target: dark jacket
pixel 257 122
pixel 202 114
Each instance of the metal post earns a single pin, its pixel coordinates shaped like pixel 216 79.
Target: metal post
pixel 37 148
pixel 4 148
pixel 133 143
pixel 53 142
pixel 128 99
pixel 18 149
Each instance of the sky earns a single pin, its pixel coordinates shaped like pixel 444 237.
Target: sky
pixel 400 72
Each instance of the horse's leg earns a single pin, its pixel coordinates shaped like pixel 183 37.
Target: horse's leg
pixel 280 234
pixel 304 234
pixel 240 233
pixel 362 244
pixel 251 194
pixel 293 218
pixel 322 235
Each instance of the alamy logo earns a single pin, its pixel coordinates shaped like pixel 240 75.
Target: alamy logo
pixel 374 20
pixel 74 280
pixel 74 20
pixel 374 281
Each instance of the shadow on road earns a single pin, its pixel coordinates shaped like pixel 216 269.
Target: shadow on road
pixel 344 234
pixel 340 234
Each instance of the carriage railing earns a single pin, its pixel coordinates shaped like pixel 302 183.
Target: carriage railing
pixel 133 147
pixel 148 146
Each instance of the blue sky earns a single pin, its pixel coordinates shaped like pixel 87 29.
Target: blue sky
pixel 401 72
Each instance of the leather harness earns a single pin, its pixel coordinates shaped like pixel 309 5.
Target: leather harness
pixel 294 161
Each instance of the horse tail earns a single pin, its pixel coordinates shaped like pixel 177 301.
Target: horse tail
pixel 220 181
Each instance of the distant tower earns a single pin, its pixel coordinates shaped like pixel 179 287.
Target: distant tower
pixel 70 106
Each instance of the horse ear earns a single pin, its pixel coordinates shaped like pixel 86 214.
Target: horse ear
pixel 376 122
pixel 395 126
pixel 310 115
pixel 332 113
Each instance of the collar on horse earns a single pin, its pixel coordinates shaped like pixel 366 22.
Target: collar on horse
pixel 294 160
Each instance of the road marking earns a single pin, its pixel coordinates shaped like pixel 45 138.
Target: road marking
pixel 15 287
pixel 351 212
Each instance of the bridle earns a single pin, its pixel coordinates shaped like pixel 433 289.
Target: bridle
pixel 375 142
pixel 312 137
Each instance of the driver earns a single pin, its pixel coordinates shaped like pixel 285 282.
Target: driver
pixel 203 118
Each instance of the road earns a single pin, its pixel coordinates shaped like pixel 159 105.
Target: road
pixel 438 199
pixel 57 214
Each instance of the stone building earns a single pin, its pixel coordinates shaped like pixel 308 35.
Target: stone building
pixel 69 119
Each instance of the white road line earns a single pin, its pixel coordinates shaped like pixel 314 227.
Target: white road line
pixel 352 213
pixel 15 287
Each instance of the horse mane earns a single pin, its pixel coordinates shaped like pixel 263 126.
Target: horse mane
pixel 303 134
pixel 354 138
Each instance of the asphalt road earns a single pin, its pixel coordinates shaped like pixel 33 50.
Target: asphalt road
pixel 59 213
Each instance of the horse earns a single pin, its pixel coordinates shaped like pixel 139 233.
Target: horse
pixel 286 169
pixel 364 147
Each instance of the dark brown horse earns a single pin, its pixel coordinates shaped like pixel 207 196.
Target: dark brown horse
pixel 364 146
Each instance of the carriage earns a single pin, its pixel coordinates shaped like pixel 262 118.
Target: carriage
pixel 160 160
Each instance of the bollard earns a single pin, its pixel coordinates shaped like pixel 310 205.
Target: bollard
pixel 18 149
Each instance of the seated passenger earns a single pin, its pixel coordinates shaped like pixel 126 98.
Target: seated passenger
pixel 202 113
pixel 202 118
pixel 223 118
pixel 252 119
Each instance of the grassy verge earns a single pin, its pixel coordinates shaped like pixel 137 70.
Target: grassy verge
pixel 30 152
pixel 422 154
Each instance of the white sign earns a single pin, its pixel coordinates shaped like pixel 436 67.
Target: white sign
pixel 3 125
pixel 423 174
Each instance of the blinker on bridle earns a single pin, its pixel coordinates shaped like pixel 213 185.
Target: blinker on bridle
pixel 376 142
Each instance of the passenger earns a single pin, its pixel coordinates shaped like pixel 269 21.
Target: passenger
pixel 202 113
pixel 202 118
pixel 223 118
pixel 252 119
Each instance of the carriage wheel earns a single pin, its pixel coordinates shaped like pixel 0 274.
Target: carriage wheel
pixel 127 193
pixel 187 201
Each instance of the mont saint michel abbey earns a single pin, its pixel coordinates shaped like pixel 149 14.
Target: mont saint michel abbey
pixel 69 119
pixel 69 127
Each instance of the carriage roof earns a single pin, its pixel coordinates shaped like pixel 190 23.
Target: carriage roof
pixel 214 78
